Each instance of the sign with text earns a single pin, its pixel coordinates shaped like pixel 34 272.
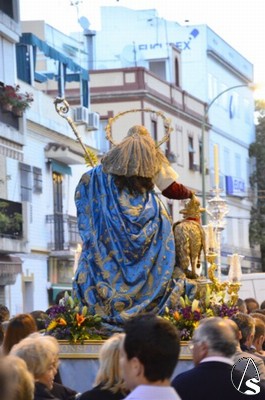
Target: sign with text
pixel 235 186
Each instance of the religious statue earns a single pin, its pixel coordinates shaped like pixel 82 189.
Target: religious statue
pixel 127 261
pixel 189 239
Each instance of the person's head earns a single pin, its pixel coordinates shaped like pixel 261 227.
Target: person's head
pixel 259 336
pixel 246 326
pixel 262 305
pixel 259 315
pixel 252 304
pixel 241 305
pixel 16 382
pixel 4 313
pixel 109 371
pixel 213 337
pixel 41 356
pixel 149 351
pixel 39 317
pixel 18 328
pixel 60 295
pixel 4 317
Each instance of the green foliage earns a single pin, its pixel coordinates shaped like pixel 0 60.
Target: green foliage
pixel 257 182
pixel 10 223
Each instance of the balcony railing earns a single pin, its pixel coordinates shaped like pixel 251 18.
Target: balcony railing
pixel 63 232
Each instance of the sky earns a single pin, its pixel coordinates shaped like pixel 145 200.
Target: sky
pixel 239 22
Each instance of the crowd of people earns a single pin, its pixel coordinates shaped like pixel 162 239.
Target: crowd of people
pixel 228 360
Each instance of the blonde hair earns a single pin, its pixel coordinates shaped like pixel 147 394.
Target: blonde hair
pixel 109 372
pixel 16 382
pixel 38 352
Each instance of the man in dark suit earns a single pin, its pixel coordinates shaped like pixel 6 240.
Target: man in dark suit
pixel 214 375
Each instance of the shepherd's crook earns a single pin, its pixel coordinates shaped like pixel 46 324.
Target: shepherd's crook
pixel 62 107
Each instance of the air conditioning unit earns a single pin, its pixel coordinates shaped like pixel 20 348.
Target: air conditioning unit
pixel 93 121
pixel 81 115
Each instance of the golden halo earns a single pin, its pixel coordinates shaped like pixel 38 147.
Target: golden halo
pixel 167 124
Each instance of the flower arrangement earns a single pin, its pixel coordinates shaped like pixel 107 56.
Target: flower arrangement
pixel 11 97
pixel 71 321
pixel 215 300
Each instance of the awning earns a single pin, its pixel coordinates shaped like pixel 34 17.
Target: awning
pixel 61 168
pixel 31 39
pixel 10 265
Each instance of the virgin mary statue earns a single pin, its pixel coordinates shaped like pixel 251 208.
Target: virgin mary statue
pixel 128 254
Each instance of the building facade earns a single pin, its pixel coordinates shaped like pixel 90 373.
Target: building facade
pixel 45 162
pixel 212 71
pixel 41 163
pixel 41 160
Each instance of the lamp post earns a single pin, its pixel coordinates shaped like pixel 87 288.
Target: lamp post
pixel 204 122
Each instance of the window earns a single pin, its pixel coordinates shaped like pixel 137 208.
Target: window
pixel 154 129
pixel 238 165
pixel 168 148
pixel 7 8
pixel 212 87
pixel 201 157
pixel 234 105
pixel 158 68
pixel 100 137
pixel 176 72
pixel 191 152
pixel 179 150
pixel 37 180
pixel 25 182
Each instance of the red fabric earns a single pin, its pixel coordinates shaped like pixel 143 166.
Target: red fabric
pixel 177 191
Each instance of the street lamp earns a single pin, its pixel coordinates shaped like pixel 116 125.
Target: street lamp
pixel 204 122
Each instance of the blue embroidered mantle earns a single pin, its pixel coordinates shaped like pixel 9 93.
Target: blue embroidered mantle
pixel 128 252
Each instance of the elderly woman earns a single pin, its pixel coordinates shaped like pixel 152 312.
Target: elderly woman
pixel 41 356
pixel 16 382
pixel 108 384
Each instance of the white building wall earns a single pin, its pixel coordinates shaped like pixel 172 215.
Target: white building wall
pixel 209 66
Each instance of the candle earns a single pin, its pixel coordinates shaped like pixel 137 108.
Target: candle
pixel 211 237
pixel 235 271
pixel 216 166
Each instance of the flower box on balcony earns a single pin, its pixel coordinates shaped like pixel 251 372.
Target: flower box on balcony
pixel 12 100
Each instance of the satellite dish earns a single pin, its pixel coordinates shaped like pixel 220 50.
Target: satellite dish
pixel 130 55
pixel 84 23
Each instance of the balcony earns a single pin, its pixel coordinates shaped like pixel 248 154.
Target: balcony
pixel 8 118
pixel 13 227
pixel 63 232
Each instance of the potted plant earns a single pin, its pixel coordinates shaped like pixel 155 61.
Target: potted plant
pixel 11 99
pixel 21 103
pixel 8 96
